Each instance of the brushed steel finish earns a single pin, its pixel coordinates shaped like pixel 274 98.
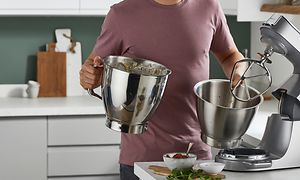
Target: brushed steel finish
pixel 282 132
pixel 131 91
pixel 222 118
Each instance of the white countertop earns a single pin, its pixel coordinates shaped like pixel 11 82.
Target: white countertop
pixel 50 106
pixel 142 171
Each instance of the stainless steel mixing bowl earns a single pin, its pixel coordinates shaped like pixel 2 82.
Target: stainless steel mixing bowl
pixel 131 91
pixel 223 119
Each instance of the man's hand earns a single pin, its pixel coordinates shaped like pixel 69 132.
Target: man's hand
pixel 237 73
pixel 91 73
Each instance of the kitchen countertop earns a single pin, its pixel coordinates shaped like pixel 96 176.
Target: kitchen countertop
pixel 142 171
pixel 50 106
pixel 87 105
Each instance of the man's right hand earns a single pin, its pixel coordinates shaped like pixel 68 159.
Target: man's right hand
pixel 91 73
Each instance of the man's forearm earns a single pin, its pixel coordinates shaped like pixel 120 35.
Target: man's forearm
pixel 228 61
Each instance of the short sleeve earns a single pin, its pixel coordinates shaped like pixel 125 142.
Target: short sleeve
pixel 109 42
pixel 222 39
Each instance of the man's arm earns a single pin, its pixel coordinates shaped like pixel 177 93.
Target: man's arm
pixel 228 58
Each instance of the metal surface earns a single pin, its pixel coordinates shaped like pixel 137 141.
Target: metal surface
pixel 284 38
pixel 243 154
pixel 282 132
pixel 243 158
pixel 253 73
pixel 278 129
pixel 223 119
pixel 131 91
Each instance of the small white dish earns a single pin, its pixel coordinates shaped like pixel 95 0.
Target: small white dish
pixel 210 167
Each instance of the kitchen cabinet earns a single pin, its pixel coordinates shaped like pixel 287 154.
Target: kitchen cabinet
pixel 55 7
pixel 83 160
pixel 75 7
pixel 110 177
pixel 39 4
pixel 23 150
pixel 96 7
pixel 39 7
pixel 62 138
pixel 82 146
pixel 80 130
pixel 229 6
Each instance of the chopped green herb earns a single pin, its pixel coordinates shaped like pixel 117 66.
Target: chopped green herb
pixel 189 174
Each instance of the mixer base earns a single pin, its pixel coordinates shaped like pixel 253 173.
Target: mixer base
pixel 244 159
pixel 125 128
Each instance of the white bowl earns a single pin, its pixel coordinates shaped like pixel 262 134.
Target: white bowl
pixel 210 167
pixel 179 163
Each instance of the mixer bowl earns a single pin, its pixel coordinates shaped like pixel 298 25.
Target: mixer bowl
pixel 131 91
pixel 223 119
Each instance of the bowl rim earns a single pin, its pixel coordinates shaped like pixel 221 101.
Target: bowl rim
pixel 190 155
pixel 211 163
pixel 224 80
pixel 111 57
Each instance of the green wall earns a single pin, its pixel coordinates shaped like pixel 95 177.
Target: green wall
pixel 22 37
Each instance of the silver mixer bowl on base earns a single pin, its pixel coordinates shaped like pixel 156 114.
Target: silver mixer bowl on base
pixel 223 119
pixel 131 91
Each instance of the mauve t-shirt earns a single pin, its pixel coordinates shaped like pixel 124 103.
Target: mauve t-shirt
pixel 180 37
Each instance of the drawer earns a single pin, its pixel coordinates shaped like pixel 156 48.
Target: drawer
pixel 80 130
pixel 108 177
pixel 72 161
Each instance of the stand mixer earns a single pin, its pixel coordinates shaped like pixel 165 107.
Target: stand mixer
pixel 280 145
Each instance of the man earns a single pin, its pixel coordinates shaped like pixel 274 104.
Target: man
pixel 178 34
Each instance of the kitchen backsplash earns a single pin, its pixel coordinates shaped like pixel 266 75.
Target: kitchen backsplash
pixel 22 37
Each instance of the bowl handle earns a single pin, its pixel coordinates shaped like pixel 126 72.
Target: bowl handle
pixel 92 93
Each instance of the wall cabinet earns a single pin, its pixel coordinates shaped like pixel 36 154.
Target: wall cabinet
pixel 40 4
pixel 55 7
pixel 96 7
pixel 39 7
pixel 250 10
pixel 75 7
pixel 229 6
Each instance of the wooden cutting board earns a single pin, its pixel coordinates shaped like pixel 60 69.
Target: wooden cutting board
pixel 51 72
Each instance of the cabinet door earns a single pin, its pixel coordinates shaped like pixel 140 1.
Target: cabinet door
pixel 94 7
pixel 83 160
pixel 80 130
pixel 229 6
pixel 39 4
pixel 23 148
pixel 106 177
